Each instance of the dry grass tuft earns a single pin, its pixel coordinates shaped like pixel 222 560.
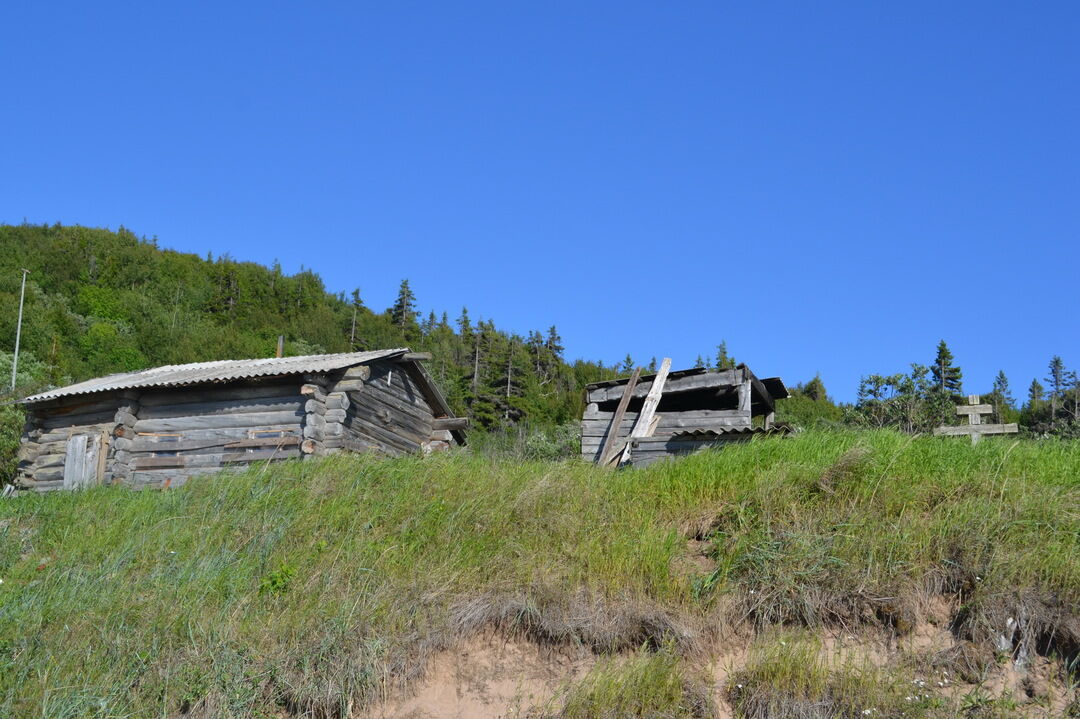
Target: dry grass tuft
pixel 847 467
pixel 548 617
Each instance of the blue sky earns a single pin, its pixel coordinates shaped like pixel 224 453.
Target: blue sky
pixel 829 187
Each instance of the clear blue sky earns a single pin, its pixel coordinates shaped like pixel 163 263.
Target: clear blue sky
pixel 828 187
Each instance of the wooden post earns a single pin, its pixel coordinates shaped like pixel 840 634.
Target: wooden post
pixel 645 425
pixel 744 394
pixel 608 448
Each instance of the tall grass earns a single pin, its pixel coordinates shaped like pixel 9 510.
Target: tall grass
pixel 315 587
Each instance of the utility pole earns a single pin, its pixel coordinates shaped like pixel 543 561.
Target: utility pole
pixel 18 330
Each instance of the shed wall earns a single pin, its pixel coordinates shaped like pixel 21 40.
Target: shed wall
pixel 390 414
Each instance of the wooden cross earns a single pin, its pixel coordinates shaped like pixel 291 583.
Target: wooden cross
pixel 975 428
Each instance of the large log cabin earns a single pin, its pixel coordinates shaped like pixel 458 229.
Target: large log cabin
pixel 157 427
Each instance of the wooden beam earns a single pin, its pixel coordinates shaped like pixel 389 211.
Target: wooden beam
pixel 646 419
pixel 450 423
pixel 759 388
pixel 970 429
pixel 681 383
pixel 745 402
pixel 413 357
pixel 609 447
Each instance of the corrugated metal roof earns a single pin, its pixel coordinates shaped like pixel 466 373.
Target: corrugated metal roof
pixel 184 375
pixel 729 431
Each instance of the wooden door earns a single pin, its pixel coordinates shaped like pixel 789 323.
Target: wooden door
pixel 81 463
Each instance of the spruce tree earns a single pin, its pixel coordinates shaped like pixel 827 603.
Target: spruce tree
pixel 464 324
pixel 1002 397
pixel 554 342
pixel 1036 394
pixel 403 313
pixel 627 364
pixel 1057 379
pixel 947 376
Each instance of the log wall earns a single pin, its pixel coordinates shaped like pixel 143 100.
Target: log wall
pixel 42 451
pixel 644 452
pixel 175 434
pixel 390 414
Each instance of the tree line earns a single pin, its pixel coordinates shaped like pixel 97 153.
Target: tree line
pixel 926 396
pixel 100 302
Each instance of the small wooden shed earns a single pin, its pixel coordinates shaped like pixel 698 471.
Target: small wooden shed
pixel 638 420
pixel 156 427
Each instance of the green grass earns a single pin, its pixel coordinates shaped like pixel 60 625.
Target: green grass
pixel 314 586
pixel 653 685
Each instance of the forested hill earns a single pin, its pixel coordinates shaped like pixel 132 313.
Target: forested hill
pixel 100 302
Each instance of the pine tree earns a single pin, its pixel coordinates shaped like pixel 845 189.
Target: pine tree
pixel 403 314
pixel 947 376
pixel 723 359
pixel 627 364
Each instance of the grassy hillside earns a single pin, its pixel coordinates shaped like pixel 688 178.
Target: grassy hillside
pixel 314 588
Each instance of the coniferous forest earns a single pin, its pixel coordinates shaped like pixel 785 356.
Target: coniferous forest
pixel 100 302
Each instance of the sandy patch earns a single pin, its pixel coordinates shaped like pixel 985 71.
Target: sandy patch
pixel 488 678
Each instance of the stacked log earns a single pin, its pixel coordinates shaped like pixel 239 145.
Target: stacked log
pixel 178 434
pixel 390 415
pixel 325 413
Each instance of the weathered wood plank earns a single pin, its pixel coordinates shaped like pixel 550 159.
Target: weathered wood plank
pixel 607 450
pixel 977 429
pixel 644 424
pixel 79 420
pixel 77 405
pixel 378 403
pixel 673 385
pixel 231 406
pixel 667 423
pixel 383 435
pixel 153 398
pixel 413 430
pixel 348 385
pixel 605 417
pixel 213 460
pixel 218 434
pixel 448 423
pixel 219 421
